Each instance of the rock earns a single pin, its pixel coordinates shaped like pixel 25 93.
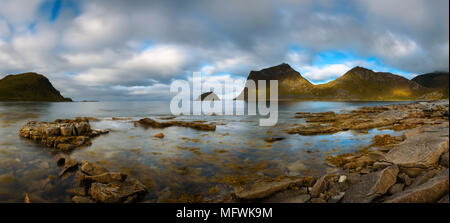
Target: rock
pixel 342 179
pixel 116 193
pixel 336 198
pixel 64 135
pixel 82 199
pixel 60 159
pixel 27 199
pixel 78 191
pixel 396 188
pixel 430 191
pixel 159 135
pixel 105 178
pixel 92 168
pixel 424 177
pixel 318 200
pixel 273 139
pixel 353 178
pixel 444 199
pixel 420 151
pixel 381 165
pixel 69 165
pixel 263 189
pixel 404 178
pixel 371 186
pixel 319 187
pixel 444 160
pixel 289 196
pixel 146 122
pixel 376 156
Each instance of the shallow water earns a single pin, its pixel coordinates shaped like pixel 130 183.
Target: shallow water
pixel 185 161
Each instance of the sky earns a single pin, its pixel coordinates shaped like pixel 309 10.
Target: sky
pixel 133 50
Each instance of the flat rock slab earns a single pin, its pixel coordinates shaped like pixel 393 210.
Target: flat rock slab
pixel 262 189
pixel 289 196
pixel 421 150
pixel 371 186
pixel 431 191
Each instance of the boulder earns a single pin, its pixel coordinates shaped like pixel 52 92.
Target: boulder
pixel 159 135
pixel 69 165
pixel 109 177
pixel 319 187
pixel 263 189
pixel 371 185
pixel 430 191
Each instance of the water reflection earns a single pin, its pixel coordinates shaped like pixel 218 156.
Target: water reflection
pixel 185 161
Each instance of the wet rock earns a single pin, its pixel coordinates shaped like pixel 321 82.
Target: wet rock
pixel 381 165
pixel 105 178
pixel 262 189
pixel 60 159
pixel 64 135
pixel 82 199
pixel 273 139
pixel 159 135
pixel 117 192
pixel 69 165
pixel 92 169
pixel 444 160
pixel 396 188
pixel 430 191
pixel 371 186
pixel 146 122
pixel 78 191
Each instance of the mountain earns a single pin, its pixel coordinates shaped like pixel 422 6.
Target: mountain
pixel 29 87
pixel 356 84
pixel 208 96
pixel 437 80
pixel 290 82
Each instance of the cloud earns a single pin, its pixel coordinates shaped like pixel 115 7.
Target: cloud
pixel 114 48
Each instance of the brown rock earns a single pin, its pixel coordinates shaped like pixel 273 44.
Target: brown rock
pixel 159 135
pixel 431 191
pixel 444 160
pixel 82 199
pixel 69 165
pixel 404 178
pixel 371 186
pixel 262 189
pixel 420 151
pixel 92 169
pixel 105 178
pixel 319 187
pixel 289 196
pixel 117 192
pixel 396 188
pixel 318 200
pixel 273 139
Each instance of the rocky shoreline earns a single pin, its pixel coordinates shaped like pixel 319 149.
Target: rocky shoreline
pixel 410 168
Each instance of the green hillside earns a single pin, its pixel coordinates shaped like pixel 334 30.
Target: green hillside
pixel 29 87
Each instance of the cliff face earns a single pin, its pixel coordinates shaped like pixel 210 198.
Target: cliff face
pixel 357 84
pixel 29 87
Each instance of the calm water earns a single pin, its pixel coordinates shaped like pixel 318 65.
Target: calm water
pixel 186 161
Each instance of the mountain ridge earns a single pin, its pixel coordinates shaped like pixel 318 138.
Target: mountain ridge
pixel 358 83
